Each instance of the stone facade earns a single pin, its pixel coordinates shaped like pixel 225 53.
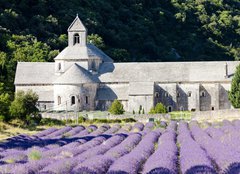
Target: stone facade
pixel 85 78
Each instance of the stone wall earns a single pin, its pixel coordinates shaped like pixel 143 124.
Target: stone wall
pixel 136 101
pixel 84 97
pixel 229 114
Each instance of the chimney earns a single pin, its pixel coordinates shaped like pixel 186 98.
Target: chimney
pixel 226 70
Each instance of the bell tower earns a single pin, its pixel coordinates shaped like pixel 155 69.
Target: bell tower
pixel 76 51
pixel 77 33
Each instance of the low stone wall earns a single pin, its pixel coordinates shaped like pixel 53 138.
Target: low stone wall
pixel 229 114
pixel 216 115
pixel 142 118
pixel 60 116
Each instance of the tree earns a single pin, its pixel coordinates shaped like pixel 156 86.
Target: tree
pixel 96 40
pixel 158 109
pixel 234 93
pixel 4 103
pixel 29 49
pixel 116 108
pixel 24 106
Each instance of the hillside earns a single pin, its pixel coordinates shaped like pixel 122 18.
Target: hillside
pixel 128 30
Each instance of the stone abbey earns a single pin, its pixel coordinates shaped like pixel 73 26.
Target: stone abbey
pixel 84 78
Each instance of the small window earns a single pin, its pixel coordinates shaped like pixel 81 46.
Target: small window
pixel 166 94
pixel 59 66
pixel 76 38
pixel 86 99
pixel 73 100
pixel 212 108
pixel 189 94
pixel 44 107
pixel 59 100
pixel 203 94
pixel 156 94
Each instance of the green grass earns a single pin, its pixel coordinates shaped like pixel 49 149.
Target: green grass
pixel 181 115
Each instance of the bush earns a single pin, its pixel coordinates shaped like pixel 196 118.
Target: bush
pixel 24 106
pixel 81 119
pixel 158 109
pixel 128 120
pixel 4 104
pixel 51 122
pixel 34 155
pixel 116 108
pixel 17 122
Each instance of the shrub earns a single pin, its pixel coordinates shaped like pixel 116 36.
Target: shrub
pixel 116 108
pixel 17 122
pixel 51 122
pixel 4 104
pixel 81 119
pixel 158 109
pixel 34 155
pixel 24 106
pixel 128 120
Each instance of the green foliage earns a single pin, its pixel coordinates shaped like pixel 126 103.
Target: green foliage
pixel 51 122
pixel 24 106
pixel 158 109
pixel 181 115
pixel 17 122
pixel 96 40
pixel 116 108
pixel 4 103
pixel 34 155
pixel 143 111
pixel 234 93
pixel 3 59
pixel 81 119
pixel 28 49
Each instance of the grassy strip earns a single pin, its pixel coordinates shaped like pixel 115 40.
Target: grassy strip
pixel 181 115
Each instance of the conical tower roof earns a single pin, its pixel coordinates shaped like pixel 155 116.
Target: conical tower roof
pixel 76 75
pixel 77 25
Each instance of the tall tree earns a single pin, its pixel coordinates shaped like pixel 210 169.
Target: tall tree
pixel 234 93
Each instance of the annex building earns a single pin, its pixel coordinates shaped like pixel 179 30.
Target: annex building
pixel 84 78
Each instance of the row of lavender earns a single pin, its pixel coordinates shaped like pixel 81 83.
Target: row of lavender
pixel 185 148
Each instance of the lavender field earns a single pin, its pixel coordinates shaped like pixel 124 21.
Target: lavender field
pixel 166 148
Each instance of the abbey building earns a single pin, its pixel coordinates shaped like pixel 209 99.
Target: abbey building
pixel 85 78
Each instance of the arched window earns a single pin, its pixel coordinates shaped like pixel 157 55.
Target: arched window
pixel 86 99
pixel 76 38
pixel 169 108
pixel 73 100
pixel 59 66
pixel 59 100
pixel 203 94
pixel 166 94
pixel 156 94
pixel 189 94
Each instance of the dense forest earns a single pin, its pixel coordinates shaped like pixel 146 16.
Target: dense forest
pixel 127 30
